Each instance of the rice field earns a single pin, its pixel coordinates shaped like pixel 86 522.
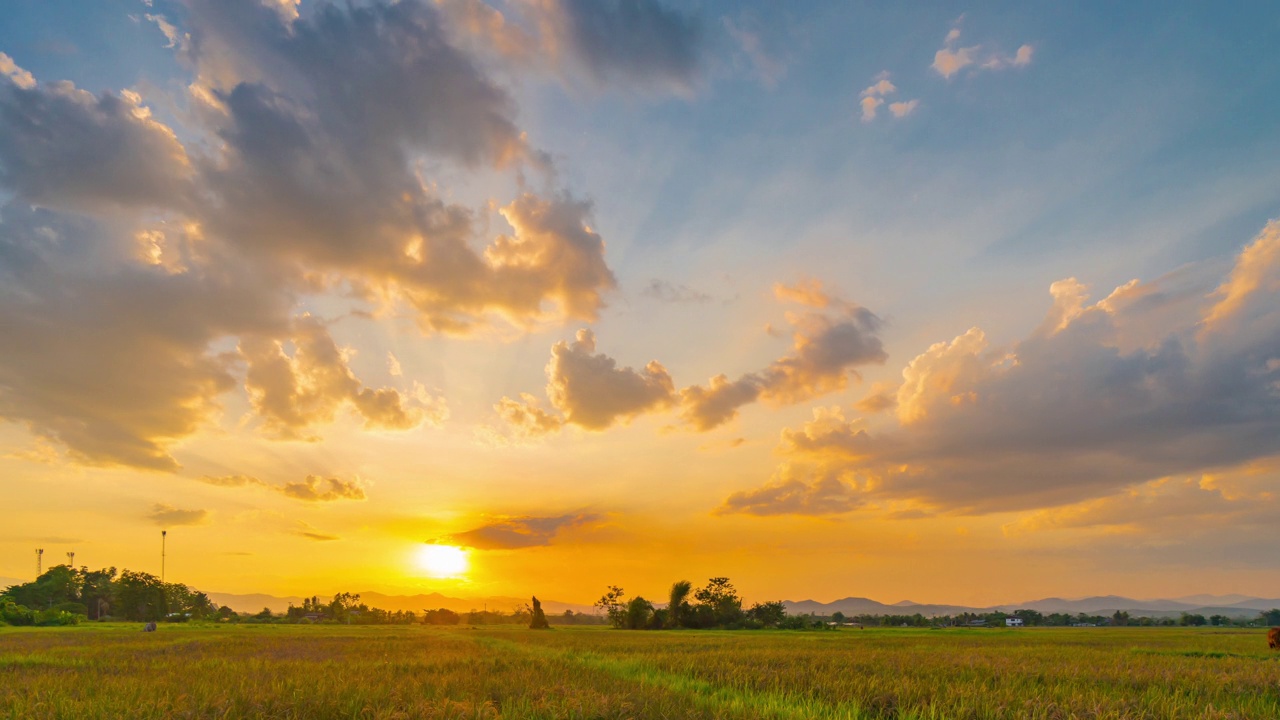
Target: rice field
pixel 280 671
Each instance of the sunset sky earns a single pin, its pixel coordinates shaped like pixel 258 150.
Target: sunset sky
pixel 969 303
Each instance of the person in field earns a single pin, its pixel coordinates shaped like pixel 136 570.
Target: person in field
pixel 1273 638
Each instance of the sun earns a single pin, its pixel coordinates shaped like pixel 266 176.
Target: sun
pixel 443 561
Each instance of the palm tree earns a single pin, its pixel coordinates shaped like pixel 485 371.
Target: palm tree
pixel 678 603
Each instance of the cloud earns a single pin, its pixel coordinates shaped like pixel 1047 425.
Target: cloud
pixel 314 488
pixel 768 63
pixel 393 365
pixel 1099 398
pixel 873 98
pixel 951 59
pixel 637 41
pixel 170 516
pixel 593 392
pixel 903 109
pixel 132 255
pixel 231 480
pixel 62 147
pixel 525 419
pixel 176 38
pixel 292 393
pixel 790 493
pixel 869 105
pixel 109 356
pixel 324 489
pixel 878 400
pixel 827 346
pixel 520 532
pixel 309 532
pixel 16 75
pixel 664 291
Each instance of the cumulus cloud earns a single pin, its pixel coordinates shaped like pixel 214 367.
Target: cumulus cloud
pixel 827 346
pixel 521 532
pixel 293 393
pixel 1094 401
pixel 129 260
pixel 62 147
pixel 525 419
pixel 591 391
pixel 110 357
pixel 170 516
pixel 324 489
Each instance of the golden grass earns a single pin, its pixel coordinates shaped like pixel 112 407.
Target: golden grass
pixel 271 671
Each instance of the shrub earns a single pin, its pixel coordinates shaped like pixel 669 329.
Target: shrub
pixel 52 618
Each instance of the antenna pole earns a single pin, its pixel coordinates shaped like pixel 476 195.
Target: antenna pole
pixel 39 562
pixel 163 535
pixel 71 559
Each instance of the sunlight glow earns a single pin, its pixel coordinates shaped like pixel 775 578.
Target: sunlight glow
pixel 443 561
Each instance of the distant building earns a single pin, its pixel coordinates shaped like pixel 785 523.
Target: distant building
pixel 1013 622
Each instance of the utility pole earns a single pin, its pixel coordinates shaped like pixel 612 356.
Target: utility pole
pixel 39 562
pixel 163 535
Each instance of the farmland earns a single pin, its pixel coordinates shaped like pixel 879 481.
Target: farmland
pixel 281 671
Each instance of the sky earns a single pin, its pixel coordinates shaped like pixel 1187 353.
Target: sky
pixel 944 302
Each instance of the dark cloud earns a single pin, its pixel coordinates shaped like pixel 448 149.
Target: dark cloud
pixel 639 41
pixel 520 532
pixel 63 147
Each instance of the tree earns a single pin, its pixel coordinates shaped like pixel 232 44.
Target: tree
pixel 1270 617
pixel 638 613
pixel 539 620
pixel 613 607
pixel 719 602
pixel 1191 619
pixel 678 603
pixel 771 614
pixel 1120 619
pixel 837 617
pixel 441 616
pixel 140 596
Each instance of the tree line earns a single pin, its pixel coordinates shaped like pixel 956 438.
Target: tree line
pixel 64 595
pixel 715 605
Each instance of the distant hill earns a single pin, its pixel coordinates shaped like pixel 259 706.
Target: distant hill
pixel 1247 607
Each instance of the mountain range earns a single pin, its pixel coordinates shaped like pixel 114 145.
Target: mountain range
pixel 1226 605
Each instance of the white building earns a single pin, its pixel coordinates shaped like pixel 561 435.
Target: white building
pixel 1013 622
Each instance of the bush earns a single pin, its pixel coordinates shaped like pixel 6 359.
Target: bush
pixel 12 613
pixel 53 618
pixel 74 608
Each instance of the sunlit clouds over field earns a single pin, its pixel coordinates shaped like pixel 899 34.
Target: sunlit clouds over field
pixel 957 303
